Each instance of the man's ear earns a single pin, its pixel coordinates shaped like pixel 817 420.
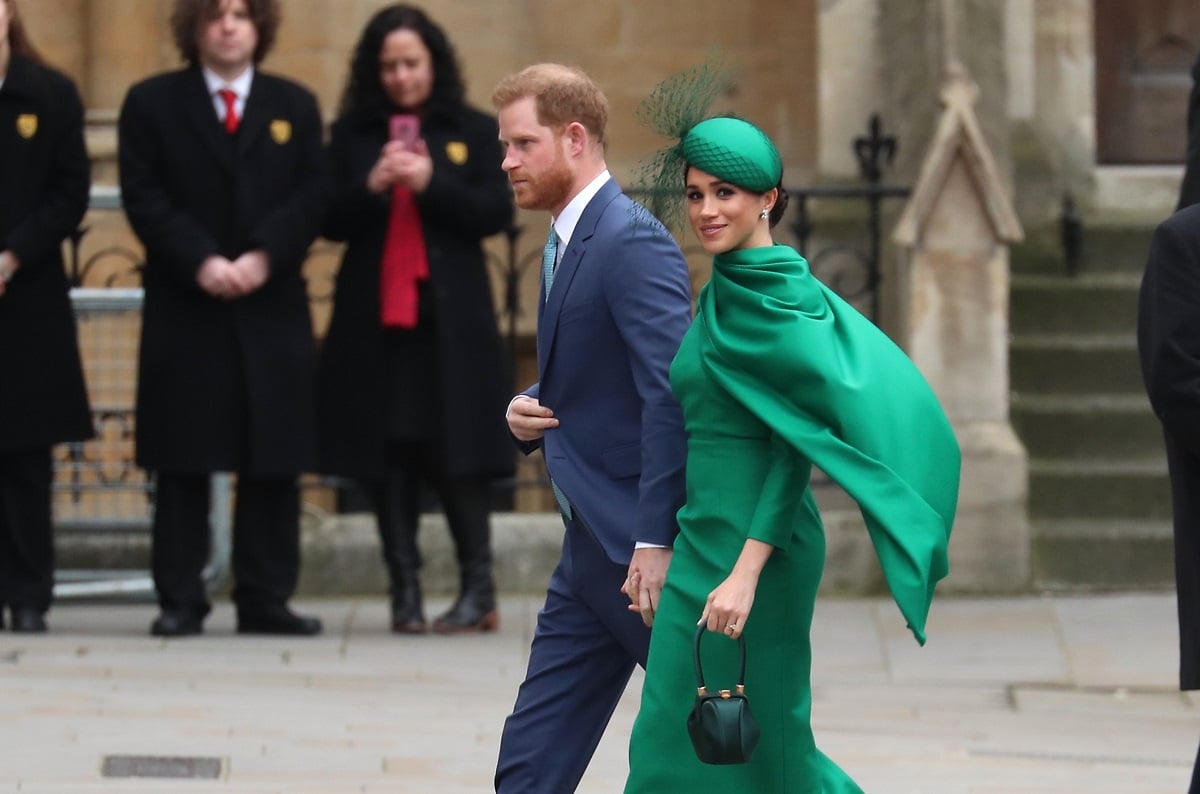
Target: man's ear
pixel 577 137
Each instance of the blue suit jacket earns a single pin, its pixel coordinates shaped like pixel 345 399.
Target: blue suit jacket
pixel 620 304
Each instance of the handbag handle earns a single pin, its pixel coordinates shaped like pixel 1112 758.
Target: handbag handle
pixel 701 689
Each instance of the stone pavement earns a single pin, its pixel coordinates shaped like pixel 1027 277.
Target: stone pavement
pixel 1010 696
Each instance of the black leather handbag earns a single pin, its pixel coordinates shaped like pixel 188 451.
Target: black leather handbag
pixel 722 729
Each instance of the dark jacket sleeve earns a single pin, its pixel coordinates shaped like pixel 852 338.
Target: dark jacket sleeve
pixel 288 231
pixel 1169 327
pixel 67 182
pixel 353 209
pixel 176 241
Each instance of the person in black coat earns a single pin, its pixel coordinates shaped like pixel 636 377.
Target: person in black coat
pixel 223 180
pixel 411 383
pixel 1169 348
pixel 1189 191
pixel 44 183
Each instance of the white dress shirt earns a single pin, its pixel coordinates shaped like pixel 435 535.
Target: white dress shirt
pixel 239 85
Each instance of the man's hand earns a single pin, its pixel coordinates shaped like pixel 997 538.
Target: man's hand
pixel 250 271
pixel 644 584
pixel 8 268
pixel 215 278
pixel 528 419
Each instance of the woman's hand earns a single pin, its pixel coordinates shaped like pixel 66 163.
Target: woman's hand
pixel 397 164
pixel 728 606
pixel 415 167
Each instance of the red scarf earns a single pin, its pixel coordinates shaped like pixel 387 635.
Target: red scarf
pixel 404 262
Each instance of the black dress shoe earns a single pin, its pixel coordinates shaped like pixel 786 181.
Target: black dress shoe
pixel 277 620
pixel 177 623
pixel 28 620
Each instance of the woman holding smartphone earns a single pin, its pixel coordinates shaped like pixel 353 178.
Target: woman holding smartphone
pixel 411 386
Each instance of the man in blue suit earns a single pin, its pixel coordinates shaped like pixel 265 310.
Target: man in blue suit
pixel 616 301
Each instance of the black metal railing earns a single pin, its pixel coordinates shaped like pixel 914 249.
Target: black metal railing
pixel 851 265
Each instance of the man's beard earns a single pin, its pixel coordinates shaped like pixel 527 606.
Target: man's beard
pixel 550 189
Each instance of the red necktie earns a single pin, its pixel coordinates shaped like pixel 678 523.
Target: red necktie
pixel 231 116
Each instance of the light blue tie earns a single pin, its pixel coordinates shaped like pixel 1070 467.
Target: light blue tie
pixel 549 255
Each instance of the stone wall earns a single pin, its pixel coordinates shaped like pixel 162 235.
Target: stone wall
pixel 627 46
pixel 107 45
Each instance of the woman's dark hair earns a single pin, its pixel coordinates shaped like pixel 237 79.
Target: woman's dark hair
pixel 18 39
pixel 780 207
pixel 364 91
pixel 189 14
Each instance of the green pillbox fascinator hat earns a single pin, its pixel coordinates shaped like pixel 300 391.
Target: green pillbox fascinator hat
pixel 735 151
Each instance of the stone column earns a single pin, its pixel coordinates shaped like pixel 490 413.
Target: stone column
pixel 126 40
pixel 917 39
pixel 954 234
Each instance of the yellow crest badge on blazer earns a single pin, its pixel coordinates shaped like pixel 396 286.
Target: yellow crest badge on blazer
pixel 281 131
pixel 27 124
pixel 457 152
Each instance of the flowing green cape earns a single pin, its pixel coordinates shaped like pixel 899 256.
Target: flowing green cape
pixel 829 383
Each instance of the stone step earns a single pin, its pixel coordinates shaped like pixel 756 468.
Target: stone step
pixel 1104 304
pixel 1082 426
pixel 1075 364
pixel 340 554
pixel 1089 490
pixel 1103 249
pixel 1102 554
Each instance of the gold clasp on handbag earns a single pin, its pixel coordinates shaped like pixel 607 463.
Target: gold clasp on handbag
pixel 725 693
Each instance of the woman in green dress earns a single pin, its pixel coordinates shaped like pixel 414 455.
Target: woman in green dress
pixel 778 375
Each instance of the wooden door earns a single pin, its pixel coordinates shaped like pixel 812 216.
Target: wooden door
pixel 1144 55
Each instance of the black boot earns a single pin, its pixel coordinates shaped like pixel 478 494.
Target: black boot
pixel 397 510
pixel 466 503
pixel 408 616
pixel 475 609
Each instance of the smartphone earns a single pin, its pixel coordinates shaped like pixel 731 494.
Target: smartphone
pixel 406 128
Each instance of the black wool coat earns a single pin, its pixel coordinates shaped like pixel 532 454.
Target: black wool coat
pixel 467 200
pixel 44 182
pixel 1169 349
pixel 223 384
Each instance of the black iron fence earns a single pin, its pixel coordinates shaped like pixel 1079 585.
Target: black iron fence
pixel 850 263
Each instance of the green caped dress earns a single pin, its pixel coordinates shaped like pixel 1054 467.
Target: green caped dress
pixel 776 375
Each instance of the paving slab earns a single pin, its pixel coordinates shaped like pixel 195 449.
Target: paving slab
pixel 1030 695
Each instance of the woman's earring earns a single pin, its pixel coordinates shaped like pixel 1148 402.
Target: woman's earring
pixel 765 214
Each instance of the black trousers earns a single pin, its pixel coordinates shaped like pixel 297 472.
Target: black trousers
pixel 266 540
pixel 26 538
pixel 466 502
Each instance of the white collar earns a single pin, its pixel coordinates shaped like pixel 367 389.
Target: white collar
pixel 240 84
pixel 564 225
